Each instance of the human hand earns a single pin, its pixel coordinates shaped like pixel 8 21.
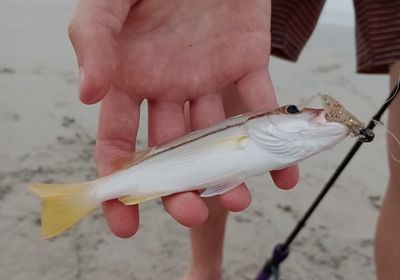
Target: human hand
pixel 170 52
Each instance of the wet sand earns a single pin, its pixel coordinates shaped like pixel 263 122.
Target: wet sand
pixel 47 135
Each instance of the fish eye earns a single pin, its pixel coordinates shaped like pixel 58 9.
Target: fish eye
pixel 292 109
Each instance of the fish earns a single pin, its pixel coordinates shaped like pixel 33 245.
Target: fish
pixel 211 161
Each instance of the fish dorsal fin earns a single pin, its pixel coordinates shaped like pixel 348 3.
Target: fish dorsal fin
pixel 132 159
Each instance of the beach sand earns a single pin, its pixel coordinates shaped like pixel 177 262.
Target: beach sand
pixel 48 135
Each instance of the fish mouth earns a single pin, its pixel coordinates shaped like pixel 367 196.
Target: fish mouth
pixel 320 116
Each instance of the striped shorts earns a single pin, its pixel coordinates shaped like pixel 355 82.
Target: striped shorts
pixel 377 30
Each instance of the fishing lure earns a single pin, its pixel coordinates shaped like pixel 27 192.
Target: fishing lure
pixel 335 112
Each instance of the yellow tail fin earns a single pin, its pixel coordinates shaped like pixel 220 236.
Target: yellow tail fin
pixel 63 205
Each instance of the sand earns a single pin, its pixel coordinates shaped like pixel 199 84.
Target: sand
pixel 47 135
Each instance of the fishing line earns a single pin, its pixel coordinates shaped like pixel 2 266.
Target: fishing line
pixel 396 90
pixel 381 124
pixel 281 250
pixel 394 137
pixel 392 156
pixel 304 103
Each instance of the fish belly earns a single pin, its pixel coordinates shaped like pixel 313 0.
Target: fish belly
pixel 188 168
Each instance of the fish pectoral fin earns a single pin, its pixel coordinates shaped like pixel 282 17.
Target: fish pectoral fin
pixel 131 159
pixel 219 189
pixel 136 199
pixel 236 141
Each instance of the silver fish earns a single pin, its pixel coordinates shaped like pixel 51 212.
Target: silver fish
pixel 213 160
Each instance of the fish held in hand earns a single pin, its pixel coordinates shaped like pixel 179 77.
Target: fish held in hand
pixel 213 160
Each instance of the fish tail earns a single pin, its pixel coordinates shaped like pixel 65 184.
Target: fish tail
pixel 63 205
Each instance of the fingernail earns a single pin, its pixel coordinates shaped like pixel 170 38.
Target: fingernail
pixel 81 78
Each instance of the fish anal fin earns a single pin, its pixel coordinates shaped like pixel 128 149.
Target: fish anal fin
pixel 131 159
pixel 136 199
pixel 219 189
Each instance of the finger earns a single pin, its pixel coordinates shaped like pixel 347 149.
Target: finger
pixel 233 105
pixel 237 199
pixel 186 208
pixel 118 126
pixel 92 31
pixel 206 111
pixel 257 93
pixel 286 178
pixel 167 122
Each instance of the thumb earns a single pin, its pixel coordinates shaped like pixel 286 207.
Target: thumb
pixel 93 30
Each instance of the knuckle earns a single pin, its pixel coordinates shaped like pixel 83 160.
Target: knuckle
pixel 72 30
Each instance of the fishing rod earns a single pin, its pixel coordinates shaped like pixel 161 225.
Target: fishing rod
pixel 281 250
